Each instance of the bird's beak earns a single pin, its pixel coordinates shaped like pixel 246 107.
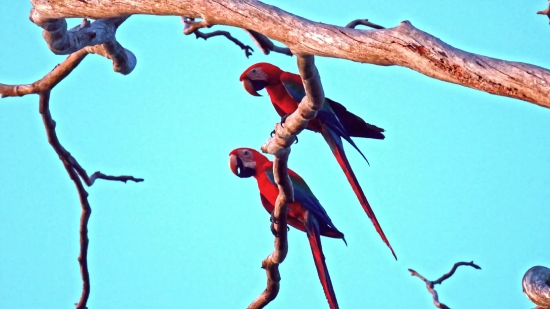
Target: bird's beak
pixel 238 168
pixel 249 87
pixel 233 164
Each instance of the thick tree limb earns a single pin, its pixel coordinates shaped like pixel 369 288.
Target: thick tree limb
pixel 430 284
pixel 111 50
pixel 97 37
pixel 193 27
pixel 536 285
pixel 403 45
pixel 75 170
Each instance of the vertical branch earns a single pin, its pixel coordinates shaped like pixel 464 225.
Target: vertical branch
pixel 49 124
pixel 279 145
pixel 272 261
pixel 77 174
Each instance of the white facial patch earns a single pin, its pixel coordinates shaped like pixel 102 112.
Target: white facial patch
pixel 257 74
pixel 248 158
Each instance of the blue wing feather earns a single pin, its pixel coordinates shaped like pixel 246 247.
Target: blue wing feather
pixel 303 194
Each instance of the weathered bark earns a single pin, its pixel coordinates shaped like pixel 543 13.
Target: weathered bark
pixel 536 285
pixel 279 145
pixel 403 45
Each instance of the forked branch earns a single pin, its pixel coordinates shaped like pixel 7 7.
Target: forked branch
pixel 191 26
pixel 54 32
pixel 430 284
pixel 75 170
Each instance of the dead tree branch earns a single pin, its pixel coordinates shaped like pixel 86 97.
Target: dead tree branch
pixel 190 26
pixel 279 145
pixel 364 22
pixel 536 285
pixel 279 225
pixel 75 170
pixel 403 45
pixel 265 44
pixel 307 109
pixel 430 284
pixel 47 82
pixel 54 33
pixel 545 12
pixel 96 37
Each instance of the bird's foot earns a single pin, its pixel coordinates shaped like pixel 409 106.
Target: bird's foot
pixel 274 221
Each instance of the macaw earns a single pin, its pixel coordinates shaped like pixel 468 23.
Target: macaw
pixel 333 121
pixel 247 162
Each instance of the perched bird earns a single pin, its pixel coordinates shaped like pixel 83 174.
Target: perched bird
pixel 333 121
pixel 305 213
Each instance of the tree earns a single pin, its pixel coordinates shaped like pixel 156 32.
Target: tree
pixel 381 192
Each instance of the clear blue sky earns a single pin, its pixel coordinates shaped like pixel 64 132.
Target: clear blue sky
pixel 462 175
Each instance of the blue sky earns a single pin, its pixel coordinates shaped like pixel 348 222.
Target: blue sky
pixel 462 175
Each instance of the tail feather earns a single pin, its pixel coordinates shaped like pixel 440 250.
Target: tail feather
pixel 312 227
pixel 335 143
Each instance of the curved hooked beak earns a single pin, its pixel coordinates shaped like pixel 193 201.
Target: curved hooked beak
pixel 252 87
pixel 238 168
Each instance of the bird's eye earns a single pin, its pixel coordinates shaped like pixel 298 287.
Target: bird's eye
pixel 246 153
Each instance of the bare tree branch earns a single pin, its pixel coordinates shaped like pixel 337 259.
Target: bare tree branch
pixel 265 44
pixel 430 284
pixel 55 32
pixel 191 24
pixel 536 285
pixel 279 145
pixel 47 82
pixel 364 22
pixel 545 12
pixel 403 45
pixel 307 109
pixel 97 37
pixel 74 170
pixel 272 261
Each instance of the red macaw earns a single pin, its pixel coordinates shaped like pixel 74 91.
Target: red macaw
pixel 247 162
pixel 333 121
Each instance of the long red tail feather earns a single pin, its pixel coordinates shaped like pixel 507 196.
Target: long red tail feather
pixel 340 155
pixel 314 237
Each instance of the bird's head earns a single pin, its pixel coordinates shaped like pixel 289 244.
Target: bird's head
pixel 258 76
pixel 244 161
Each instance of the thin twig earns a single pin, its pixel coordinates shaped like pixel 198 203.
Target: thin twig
pixel 193 27
pixel 430 284
pixel 364 22
pixel 545 12
pixel 74 170
pixel 266 45
pixel 47 82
